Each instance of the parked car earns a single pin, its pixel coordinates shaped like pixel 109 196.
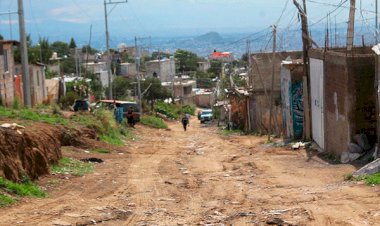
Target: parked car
pixel 205 115
pixel 109 104
pixel 81 105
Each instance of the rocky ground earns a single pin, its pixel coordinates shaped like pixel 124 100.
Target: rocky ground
pixel 200 177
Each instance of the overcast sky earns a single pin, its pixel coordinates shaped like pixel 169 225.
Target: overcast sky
pixel 59 19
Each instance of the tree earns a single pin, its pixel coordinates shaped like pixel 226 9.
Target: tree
pixel 89 49
pixel 68 65
pixel 72 44
pixel 1 37
pixel 155 92
pixel 186 61
pixel 61 48
pixel 204 80
pixel 46 52
pixel 96 87
pixel 159 55
pixel 216 68
pixel 121 85
pixel 33 52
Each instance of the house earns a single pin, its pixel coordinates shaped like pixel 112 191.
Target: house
pixel 292 98
pixel 240 112
pixel 221 56
pixel 38 89
pixel 182 90
pixel 204 98
pixel 203 66
pixel 128 70
pixel 260 87
pixel 163 69
pixel 7 90
pixel 99 69
pixel 343 97
pixel 222 111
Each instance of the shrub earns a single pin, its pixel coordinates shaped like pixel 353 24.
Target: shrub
pixel 154 122
pixel 68 100
pixel 16 103
pixel 189 109
pixel 6 200
pixel 167 109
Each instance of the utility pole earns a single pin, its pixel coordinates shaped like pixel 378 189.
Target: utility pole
pixel 24 55
pixel 306 78
pixel 272 86
pixel 376 20
pixel 108 61
pixel 137 62
pixel 351 26
pixel 249 63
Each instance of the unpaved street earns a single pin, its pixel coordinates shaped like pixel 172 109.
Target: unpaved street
pixel 172 177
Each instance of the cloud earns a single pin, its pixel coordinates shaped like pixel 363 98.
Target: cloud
pixel 74 20
pixel 7 22
pixel 66 10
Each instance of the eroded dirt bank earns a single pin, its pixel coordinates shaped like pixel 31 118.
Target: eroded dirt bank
pixel 200 177
pixel 31 151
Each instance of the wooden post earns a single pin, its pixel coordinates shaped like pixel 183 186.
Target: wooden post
pixel 272 87
pixel 306 47
pixel 351 25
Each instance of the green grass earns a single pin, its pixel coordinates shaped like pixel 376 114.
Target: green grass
pixel 102 121
pixel 105 125
pixel 112 137
pixel 153 121
pixel 22 189
pixel 373 179
pixel 33 114
pixel 190 109
pixel 6 200
pixel 100 150
pixel 72 166
pixel 174 111
pixel 169 110
pixel 369 179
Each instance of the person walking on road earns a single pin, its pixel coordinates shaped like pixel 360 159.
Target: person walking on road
pixel 131 120
pixel 185 122
pixel 118 113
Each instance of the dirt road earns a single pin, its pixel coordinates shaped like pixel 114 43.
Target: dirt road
pixel 199 177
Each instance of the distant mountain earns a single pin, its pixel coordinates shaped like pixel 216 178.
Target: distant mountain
pixel 211 37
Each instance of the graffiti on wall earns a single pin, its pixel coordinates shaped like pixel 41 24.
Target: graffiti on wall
pixel 296 100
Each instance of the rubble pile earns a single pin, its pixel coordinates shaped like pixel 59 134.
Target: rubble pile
pixel 361 149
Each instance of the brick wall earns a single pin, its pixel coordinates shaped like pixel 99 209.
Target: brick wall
pixel 336 104
pixel 349 97
pixel 261 75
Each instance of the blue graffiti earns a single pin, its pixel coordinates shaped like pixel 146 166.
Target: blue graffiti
pixel 296 100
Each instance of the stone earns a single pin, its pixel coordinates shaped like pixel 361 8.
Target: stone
pixel 347 157
pixel 362 141
pixel 370 168
pixel 275 221
pixel 61 223
pixel 354 148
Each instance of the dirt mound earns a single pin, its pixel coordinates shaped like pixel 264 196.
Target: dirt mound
pixel 32 152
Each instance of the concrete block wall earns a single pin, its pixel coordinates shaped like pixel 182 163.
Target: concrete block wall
pixel 336 99
pixel 362 70
pixel 349 97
